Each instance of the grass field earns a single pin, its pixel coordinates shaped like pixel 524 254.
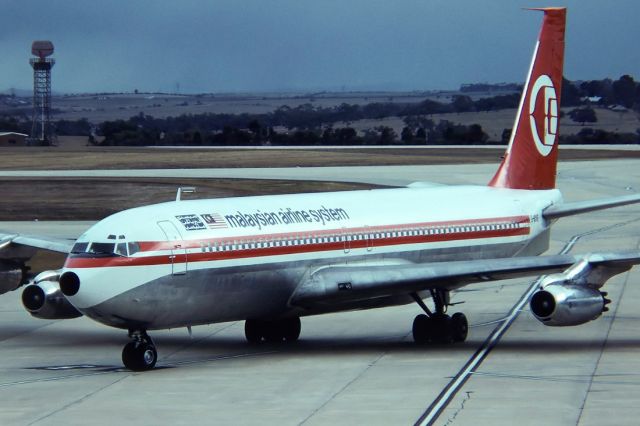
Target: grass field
pixel 89 199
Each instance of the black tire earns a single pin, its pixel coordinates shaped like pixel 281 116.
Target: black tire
pixel 422 329
pixel 291 329
pixel 459 327
pixel 442 332
pixel 139 356
pixel 129 357
pixel 253 331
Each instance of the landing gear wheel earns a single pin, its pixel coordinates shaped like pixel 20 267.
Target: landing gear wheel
pixel 253 331
pixel 139 356
pixel 291 329
pixel 422 329
pixel 441 324
pixel 257 331
pixel 459 327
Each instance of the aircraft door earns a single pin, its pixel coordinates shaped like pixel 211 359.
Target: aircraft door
pixel 178 251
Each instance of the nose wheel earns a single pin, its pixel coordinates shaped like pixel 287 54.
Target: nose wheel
pixel 140 354
pixel 438 327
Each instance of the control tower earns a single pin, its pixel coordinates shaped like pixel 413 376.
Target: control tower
pixel 41 128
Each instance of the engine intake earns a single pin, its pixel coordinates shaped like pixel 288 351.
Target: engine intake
pixel 563 305
pixel 45 300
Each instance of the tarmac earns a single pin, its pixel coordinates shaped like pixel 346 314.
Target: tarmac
pixel 356 367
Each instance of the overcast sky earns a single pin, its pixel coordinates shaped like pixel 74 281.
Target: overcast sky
pixel 299 45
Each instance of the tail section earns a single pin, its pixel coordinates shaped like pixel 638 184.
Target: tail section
pixel 532 154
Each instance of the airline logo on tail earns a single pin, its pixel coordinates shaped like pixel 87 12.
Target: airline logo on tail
pixel 543 108
pixel 532 154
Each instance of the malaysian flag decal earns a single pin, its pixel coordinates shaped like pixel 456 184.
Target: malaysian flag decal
pixel 214 220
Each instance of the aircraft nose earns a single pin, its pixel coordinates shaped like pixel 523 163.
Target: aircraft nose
pixel 69 283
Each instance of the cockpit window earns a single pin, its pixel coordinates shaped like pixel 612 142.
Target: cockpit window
pixel 133 248
pixel 101 248
pixel 79 248
pixel 121 249
pixel 105 249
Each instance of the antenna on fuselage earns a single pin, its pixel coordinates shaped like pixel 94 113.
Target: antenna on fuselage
pixel 184 190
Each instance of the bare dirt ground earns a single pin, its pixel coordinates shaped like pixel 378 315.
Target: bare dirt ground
pixel 83 158
pixel 93 199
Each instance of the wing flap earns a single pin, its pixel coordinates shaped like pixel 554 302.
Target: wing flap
pixel 343 283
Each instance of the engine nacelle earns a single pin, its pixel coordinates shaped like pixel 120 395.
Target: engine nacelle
pixel 563 305
pixel 45 300
pixel 12 275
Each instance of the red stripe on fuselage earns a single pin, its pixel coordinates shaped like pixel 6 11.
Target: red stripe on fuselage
pixel 147 246
pixel 242 253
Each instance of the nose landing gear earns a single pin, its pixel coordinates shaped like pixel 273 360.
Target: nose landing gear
pixel 438 327
pixel 139 354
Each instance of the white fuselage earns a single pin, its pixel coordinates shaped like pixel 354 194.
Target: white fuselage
pixel 203 261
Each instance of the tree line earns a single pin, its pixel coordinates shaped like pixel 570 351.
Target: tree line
pixel 314 125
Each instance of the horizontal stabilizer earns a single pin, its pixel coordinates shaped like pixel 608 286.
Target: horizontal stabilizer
pixel 569 209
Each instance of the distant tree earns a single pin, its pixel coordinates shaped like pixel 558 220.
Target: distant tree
pixel 386 135
pixel 414 122
pixel 197 138
pixel 421 134
pixel 254 126
pixel 506 135
pixel 583 115
pixel 624 90
pixel 570 94
pixel 462 103
pixel 346 136
pixel 406 135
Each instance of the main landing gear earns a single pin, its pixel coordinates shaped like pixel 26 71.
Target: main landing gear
pixel 139 354
pixel 438 327
pixel 257 331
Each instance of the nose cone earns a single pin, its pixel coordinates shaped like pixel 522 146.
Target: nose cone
pixel 69 283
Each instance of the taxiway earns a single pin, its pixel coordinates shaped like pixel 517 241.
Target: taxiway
pixel 360 367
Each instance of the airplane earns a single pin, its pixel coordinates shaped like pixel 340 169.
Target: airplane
pixel 270 260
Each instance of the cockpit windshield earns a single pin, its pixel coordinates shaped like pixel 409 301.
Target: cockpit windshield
pixel 101 248
pixel 105 249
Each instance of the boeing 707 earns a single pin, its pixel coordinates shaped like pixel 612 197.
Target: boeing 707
pixel 271 260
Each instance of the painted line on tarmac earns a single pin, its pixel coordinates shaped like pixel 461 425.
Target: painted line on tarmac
pixel 441 402
pixel 449 392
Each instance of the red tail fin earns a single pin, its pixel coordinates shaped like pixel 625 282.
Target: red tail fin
pixel 532 154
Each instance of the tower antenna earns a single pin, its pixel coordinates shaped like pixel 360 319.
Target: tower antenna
pixel 41 127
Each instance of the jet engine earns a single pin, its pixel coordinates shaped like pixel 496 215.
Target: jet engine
pixel 43 299
pixel 562 305
pixel 572 297
pixel 12 275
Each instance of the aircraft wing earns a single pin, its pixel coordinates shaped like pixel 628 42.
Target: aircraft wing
pixel 569 209
pixel 60 245
pixel 351 283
